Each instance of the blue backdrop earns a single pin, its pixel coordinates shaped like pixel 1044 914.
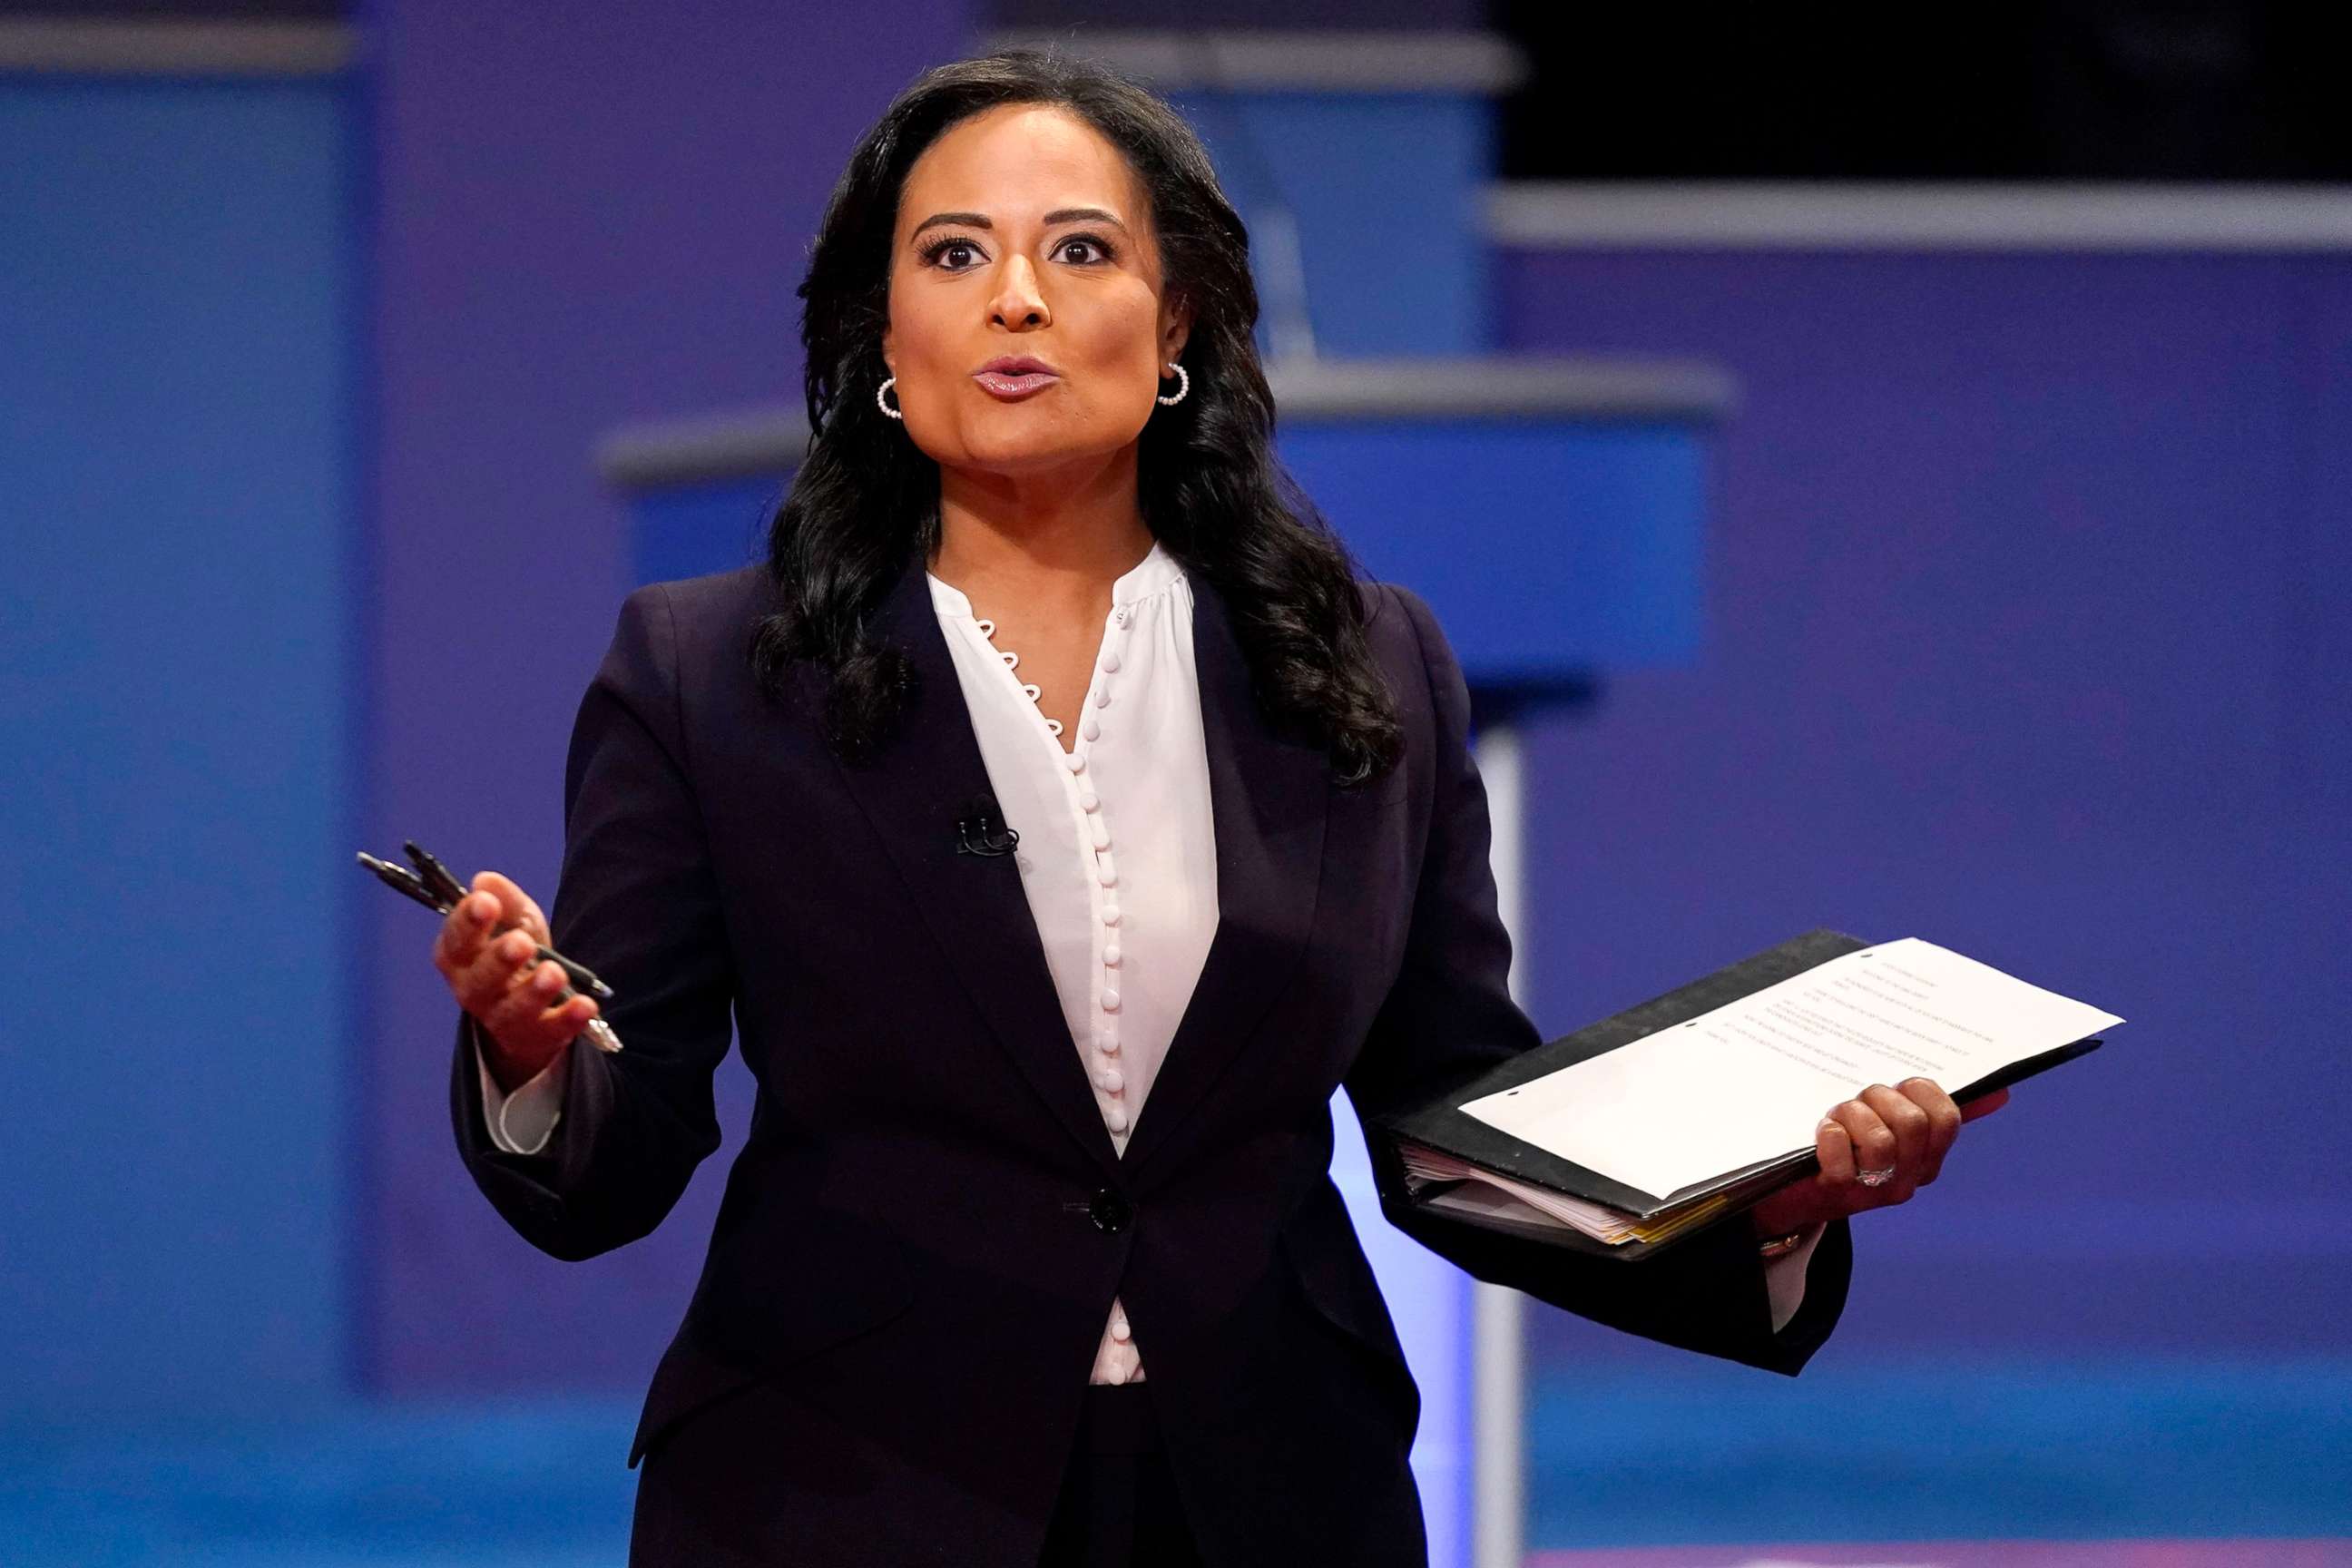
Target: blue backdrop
pixel 183 602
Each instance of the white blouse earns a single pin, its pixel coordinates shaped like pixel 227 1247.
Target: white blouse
pixel 1118 852
pixel 1118 858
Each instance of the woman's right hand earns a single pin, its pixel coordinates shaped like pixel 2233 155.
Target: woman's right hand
pixel 495 977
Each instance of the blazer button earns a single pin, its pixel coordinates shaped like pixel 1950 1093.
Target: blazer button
pixel 1110 1212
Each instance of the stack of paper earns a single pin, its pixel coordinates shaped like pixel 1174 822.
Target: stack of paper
pixel 1502 1200
pixel 1649 1124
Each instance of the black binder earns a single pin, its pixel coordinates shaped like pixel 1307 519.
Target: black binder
pixel 1442 1126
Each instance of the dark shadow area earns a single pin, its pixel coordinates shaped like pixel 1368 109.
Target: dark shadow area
pixel 2079 90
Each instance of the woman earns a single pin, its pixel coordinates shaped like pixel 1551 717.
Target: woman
pixel 1064 822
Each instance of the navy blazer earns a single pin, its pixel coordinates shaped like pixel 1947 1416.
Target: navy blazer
pixel 884 1354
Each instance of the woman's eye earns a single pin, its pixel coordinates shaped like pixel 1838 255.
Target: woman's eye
pixel 936 249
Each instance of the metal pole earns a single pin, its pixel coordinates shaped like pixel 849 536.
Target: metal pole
pixel 1498 1409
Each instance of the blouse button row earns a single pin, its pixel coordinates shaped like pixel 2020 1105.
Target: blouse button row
pixel 1110 1080
pixel 1097 831
pixel 1090 728
pixel 1087 798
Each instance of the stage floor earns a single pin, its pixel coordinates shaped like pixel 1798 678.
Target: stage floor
pixel 2144 1464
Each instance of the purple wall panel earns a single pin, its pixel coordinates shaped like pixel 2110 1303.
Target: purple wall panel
pixel 2321 569
pixel 2023 635
pixel 1080 18
pixel 581 223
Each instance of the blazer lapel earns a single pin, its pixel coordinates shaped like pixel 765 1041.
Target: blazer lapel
pixel 911 789
pixel 1270 795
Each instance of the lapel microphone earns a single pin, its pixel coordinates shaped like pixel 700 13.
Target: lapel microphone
pixel 978 831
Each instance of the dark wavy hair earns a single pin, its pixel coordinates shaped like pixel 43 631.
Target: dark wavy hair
pixel 1209 487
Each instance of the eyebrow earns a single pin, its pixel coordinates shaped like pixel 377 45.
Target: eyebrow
pixel 1059 215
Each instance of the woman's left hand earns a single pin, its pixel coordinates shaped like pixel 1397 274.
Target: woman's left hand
pixel 1909 1128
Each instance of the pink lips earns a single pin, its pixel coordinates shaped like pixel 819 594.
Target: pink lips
pixel 1014 378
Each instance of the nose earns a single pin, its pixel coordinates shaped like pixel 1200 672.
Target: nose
pixel 1018 302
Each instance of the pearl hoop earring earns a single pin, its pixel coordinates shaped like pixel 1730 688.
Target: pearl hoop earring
pixel 883 403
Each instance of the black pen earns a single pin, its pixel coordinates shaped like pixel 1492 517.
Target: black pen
pixel 433 886
pixel 441 880
pixel 406 881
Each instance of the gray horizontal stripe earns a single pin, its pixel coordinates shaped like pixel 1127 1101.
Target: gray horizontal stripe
pixel 732 444
pixel 770 438
pixel 1522 386
pixel 175 48
pixel 1270 60
pixel 1570 216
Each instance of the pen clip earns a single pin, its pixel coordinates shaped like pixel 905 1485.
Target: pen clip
pixel 400 880
pixel 435 875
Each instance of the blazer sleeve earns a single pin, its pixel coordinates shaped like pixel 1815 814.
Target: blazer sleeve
pixel 636 902
pixel 1449 1017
